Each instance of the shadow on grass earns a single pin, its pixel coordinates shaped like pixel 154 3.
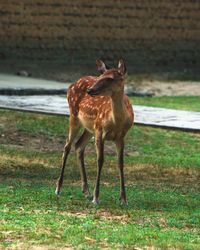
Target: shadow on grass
pixel 35 171
pixel 33 183
pixel 139 174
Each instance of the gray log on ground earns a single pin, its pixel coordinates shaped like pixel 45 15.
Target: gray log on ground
pixel 168 118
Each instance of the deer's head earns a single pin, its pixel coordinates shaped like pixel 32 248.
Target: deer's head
pixel 111 81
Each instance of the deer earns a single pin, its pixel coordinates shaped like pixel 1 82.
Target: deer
pixel 99 105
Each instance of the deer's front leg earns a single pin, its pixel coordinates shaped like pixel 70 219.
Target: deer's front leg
pixel 74 128
pixel 120 155
pixel 66 151
pixel 100 160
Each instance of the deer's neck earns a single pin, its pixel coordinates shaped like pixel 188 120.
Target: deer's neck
pixel 118 108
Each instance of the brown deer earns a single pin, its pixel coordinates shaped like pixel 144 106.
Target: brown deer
pixel 100 106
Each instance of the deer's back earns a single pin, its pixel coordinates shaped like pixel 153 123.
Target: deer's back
pixel 76 93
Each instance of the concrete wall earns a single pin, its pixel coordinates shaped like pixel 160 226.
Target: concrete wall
pixel 151 35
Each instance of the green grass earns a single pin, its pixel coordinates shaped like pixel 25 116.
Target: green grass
pixel 154 217
pixel 191 103
pixel 162 175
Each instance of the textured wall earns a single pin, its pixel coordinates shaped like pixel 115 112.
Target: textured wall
pixel 149 34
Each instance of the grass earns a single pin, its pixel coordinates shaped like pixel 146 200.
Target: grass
pixel 190 103
pixel 162 174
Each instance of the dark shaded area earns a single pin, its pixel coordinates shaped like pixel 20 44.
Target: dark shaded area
pixel 9 91
pixel 54 38
pixel 175 58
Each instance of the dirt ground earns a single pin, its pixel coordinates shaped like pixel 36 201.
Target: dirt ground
pixel 18 139
pixel 147 84
pixel 163 88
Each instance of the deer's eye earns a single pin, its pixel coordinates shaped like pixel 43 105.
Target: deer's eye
pixel 109 80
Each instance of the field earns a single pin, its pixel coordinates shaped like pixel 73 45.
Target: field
pixel 162 169
pixel 190 103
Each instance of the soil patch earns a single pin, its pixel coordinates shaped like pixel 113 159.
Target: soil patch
pixel 62 73
pixel 24 140
pixel 20 139
pixel 176 88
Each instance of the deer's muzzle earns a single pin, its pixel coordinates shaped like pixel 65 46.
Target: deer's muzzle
pixel 92 92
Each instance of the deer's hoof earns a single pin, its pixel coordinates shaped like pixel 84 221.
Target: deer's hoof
pixel 87 194
pixel 57 193
pixel 96 202
pixel 123 202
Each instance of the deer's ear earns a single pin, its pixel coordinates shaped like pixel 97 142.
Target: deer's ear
pixel 122 67
pixel 101 66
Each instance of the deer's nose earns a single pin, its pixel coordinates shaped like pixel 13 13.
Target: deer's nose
pixel 89 91
pixel 92 92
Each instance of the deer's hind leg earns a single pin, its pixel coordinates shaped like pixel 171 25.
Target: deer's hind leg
pixel 120 154
pixel 80 149
pixel 73 131
pixel 100 159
